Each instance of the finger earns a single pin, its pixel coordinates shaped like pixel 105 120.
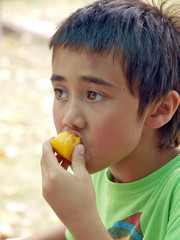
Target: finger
pixel 48 160
pixel 48 154
pixel 78 159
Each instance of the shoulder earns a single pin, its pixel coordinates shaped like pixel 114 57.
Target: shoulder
pixel 174 171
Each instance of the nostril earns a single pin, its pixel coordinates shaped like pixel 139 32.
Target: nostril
pixel 77 123
pixel 74 118
pixel 67 124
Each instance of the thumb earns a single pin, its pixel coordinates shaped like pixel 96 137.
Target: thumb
pixel 78 159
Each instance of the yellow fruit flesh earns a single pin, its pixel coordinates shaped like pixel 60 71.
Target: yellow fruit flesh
pixel 65 143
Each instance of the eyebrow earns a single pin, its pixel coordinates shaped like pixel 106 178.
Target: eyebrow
pixel 55 78
pixel 91 79
pixel 96 80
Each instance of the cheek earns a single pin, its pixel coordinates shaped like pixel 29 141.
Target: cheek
pixel 57 119
pixel 115 136
pixel 106 133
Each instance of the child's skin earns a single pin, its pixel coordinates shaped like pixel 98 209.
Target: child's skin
pixel 92 98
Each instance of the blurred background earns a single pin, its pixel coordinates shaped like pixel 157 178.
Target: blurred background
pixel 25 110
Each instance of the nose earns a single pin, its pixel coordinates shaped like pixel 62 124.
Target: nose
pixel 74 117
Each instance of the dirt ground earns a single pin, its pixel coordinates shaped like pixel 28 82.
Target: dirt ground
pixel 25 118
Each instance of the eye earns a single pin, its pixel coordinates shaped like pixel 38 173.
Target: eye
pixel 94 96
pixel 60 94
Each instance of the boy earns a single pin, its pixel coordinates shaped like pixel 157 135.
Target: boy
pixel 116 79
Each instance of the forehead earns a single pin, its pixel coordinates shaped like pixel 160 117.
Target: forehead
pixel 83 51
pixel 104 64
pixel 114 55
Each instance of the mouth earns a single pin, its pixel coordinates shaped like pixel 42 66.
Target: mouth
pixel 77 135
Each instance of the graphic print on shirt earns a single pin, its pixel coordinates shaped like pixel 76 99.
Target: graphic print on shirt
pixel 127 229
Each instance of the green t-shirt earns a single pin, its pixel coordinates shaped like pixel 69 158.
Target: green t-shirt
pixel 147 209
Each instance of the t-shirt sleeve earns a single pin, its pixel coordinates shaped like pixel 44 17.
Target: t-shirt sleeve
pixel 68 235
pixel 173 228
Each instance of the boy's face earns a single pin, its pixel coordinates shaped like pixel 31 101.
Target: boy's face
pixel 92 98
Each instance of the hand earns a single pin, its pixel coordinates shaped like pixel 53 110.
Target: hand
pixel 71 196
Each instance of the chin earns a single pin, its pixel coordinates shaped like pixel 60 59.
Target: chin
pixel 93 168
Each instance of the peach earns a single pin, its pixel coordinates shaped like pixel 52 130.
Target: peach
pixel 65 143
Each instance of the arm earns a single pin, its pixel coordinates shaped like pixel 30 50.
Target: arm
pixel 72 196
pixel 55 233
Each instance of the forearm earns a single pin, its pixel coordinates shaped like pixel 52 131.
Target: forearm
pixel 72 196
pixel 90 228
pixel 55 233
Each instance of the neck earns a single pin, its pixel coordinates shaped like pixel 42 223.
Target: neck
pixel 135 167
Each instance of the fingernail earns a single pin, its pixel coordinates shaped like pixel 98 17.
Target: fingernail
pixel 81 149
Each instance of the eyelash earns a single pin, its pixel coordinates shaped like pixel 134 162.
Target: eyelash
pixel 57 91
pixel 91 95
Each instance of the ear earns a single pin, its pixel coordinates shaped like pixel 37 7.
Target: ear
pixel 162 112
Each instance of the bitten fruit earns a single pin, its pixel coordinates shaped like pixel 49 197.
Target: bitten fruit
pixel 65 143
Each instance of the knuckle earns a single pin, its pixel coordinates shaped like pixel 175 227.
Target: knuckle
pixel 46 147
pixel 52 178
